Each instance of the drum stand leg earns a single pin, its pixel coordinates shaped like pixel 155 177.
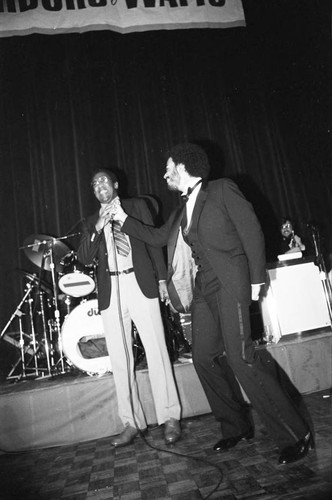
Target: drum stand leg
pixel 21 359
pixel 33 336
pixel 61 359
pixel 31 350
pixel 52 331
pixel 55 332
pixel 17 311
pixel 46 342
pixel 57 312
pixel 23 349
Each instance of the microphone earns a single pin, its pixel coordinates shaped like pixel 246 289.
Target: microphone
pixel 115 203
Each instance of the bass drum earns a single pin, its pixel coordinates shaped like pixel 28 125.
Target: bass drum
pixel 81 327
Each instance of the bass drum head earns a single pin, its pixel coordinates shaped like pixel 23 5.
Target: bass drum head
pixel 76 279
pixel 82 325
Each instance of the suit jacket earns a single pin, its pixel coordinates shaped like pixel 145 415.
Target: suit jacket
pixel 228 231
pixel 148 262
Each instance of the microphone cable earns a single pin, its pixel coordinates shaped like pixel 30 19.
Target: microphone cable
pixel 123 333
pixel 126 347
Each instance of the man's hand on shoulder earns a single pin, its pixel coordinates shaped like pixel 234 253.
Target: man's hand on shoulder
pixel 117 212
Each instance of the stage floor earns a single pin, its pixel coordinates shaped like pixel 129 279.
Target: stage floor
pixel 75 407
pixel 188 470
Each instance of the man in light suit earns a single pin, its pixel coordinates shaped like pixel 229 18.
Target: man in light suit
pixel 128 275
pixel 227 245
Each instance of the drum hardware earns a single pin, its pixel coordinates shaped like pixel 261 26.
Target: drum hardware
pixel 11 340
pixel 67 304
pixel 33 337
pixel 44 324
pixel 36 247
pixel 32 349
pixel 47 252
pixel 37 281
pixel 76 279
pixel 53 333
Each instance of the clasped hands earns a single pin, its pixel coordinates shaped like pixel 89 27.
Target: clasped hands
pixel 108 213
pixel 114 211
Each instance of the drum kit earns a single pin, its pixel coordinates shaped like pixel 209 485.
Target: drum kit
pixel 59 325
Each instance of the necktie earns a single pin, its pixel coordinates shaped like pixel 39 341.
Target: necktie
pixel 120 239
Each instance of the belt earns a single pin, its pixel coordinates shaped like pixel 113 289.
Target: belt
pixel 117 273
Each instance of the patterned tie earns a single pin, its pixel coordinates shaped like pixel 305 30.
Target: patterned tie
pixel 120 239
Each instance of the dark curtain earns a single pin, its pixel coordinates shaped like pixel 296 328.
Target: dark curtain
pixel 256 98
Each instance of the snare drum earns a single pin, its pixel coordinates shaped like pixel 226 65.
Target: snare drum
pixel 84 323
pixel 76 279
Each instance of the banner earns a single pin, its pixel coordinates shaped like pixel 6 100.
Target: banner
pixel 22 17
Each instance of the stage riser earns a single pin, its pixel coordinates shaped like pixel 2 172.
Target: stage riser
pixel 46 413
pixel 307 361
pixel 81 410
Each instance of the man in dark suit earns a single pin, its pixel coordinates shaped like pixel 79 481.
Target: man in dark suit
pixel 128 275
pixel 227 247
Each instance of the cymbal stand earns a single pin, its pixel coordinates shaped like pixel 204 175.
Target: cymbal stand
pixel 47 346
pixel 17 311
pixel 33 337
pixel 35 348
pixel 56 305
pixel 52 330
pixel 23 351
pixel 23 348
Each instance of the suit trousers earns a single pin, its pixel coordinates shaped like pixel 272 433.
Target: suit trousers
pixel 128 304
pixel 224 354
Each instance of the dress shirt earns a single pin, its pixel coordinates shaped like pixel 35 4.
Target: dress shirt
pixel 190 204
pixel 122 262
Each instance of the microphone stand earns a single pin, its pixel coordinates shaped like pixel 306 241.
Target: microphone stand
pixel 319 261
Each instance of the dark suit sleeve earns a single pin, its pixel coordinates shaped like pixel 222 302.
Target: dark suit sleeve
pixel 89 243
pixel 154 236
pixel 156 254
pixel 248 229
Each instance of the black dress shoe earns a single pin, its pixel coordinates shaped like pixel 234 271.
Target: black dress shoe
pixel 227 443
pixel 297 451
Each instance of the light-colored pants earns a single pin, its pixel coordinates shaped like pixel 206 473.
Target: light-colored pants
pixel 129 304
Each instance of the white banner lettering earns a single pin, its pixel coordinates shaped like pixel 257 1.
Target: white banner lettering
pixel 21 17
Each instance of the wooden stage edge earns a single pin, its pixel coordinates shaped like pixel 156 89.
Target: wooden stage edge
pixel 68 409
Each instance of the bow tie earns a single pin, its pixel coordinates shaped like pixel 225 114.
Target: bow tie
pixel 190 190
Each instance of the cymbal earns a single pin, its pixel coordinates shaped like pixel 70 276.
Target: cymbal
pixel 40 247
pixel 37 281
